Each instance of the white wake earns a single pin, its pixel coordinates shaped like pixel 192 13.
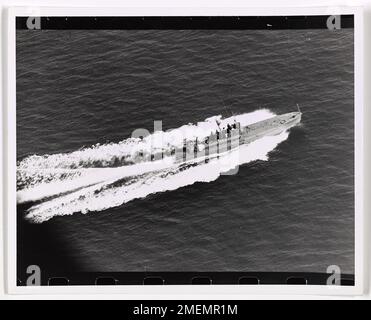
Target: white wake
pixel 103 176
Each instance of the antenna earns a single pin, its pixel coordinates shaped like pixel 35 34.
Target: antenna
pixel 226 107
pixel 298 107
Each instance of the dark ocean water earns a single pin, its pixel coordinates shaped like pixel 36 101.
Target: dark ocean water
pixel 294 212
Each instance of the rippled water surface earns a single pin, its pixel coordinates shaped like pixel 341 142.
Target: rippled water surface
pixel 291 209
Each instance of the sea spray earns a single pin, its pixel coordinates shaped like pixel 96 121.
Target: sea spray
pixel 84 188
pixel 107 195
pixel 116 154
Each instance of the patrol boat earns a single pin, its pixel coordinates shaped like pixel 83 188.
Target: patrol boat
pixel 227 139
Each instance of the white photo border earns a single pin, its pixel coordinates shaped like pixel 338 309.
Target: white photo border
pixel 213 291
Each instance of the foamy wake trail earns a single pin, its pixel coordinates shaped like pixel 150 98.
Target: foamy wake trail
pixel 73 184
